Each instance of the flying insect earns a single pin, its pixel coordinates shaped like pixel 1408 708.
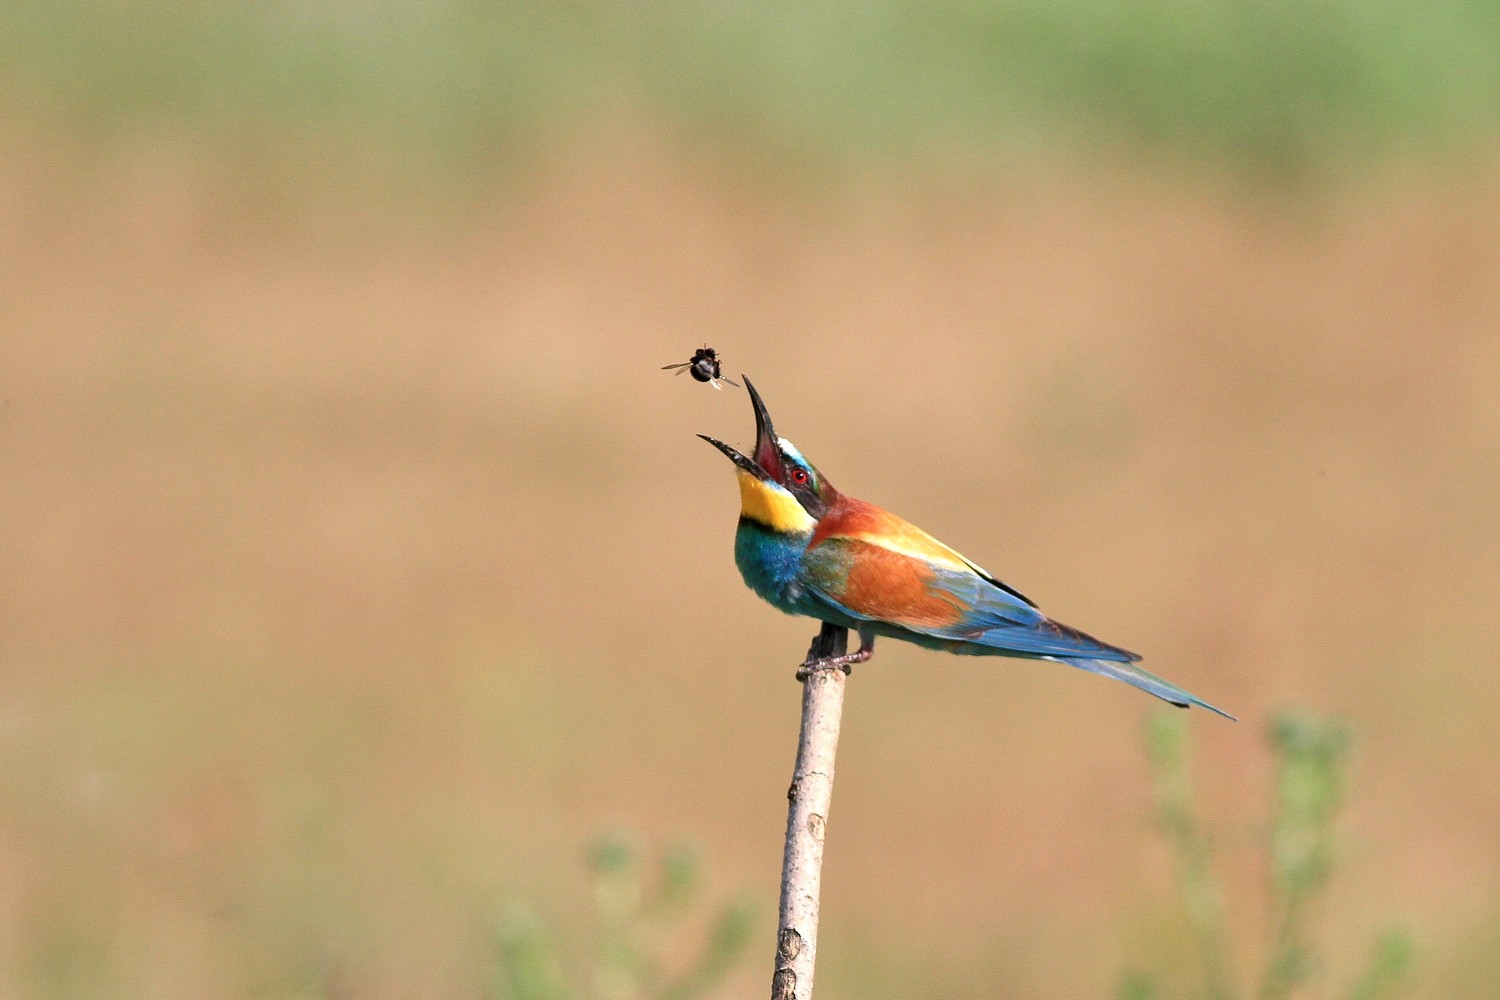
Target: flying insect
pixel 704 366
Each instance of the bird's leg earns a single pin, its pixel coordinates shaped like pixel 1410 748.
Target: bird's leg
pixel 866 650
pixel 827 651
pixel 830 641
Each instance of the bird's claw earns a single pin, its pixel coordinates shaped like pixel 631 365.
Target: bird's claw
pixel 809 667
pixel 827 652
pixel 844 662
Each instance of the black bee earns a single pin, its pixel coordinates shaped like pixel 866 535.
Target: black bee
pixel 705 368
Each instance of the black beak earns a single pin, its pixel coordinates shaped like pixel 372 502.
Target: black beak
pixel 767 461
pixel 738 458
pixel 767 447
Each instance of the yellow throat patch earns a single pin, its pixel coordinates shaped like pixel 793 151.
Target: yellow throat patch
pixel 772 506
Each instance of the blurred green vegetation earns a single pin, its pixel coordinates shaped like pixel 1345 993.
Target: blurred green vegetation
pixel 281 716
pixel 1310 770
pixel 640 925
pixel 1287 84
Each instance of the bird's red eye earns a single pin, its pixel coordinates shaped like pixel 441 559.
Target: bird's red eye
pixel 799 476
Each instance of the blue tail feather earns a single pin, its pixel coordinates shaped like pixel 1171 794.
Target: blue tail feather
pixel 1137 676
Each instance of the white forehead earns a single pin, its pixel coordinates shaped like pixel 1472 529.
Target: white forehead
pixel 790 450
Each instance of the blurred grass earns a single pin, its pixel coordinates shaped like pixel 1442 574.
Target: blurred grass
pixel 1301 851
pixel 642 927
pixel 354 575
pixel 355 567
pixel 1288 86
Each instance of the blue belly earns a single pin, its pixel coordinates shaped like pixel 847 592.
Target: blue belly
pixel 771 564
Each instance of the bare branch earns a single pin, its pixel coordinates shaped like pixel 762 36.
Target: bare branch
pixel 807 817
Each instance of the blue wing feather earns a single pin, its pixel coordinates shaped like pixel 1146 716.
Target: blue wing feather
pixel 993 621
pixel 995 618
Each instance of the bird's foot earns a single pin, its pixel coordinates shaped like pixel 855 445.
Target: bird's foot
pixel 826 652
pixel 842 661
pixel 809 667
pixel 818 666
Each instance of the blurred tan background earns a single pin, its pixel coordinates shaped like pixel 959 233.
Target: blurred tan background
pixel 362 565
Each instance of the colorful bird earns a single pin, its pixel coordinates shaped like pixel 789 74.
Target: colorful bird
pixel 810 550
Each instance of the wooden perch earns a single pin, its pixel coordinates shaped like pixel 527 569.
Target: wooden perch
pixel 807 815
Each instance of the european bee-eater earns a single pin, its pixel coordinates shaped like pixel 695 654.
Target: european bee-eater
pixel 810 550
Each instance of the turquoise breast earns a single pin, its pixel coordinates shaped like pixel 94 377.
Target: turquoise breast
pixel 771 564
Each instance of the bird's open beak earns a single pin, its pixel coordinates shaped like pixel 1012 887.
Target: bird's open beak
pixel 738 457
pixel 767 461
pixel 767 448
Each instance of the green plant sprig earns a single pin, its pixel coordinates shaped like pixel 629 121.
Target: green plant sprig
pixel 1310 768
